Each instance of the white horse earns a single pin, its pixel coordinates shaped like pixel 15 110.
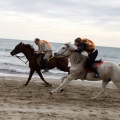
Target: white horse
pixel 108 71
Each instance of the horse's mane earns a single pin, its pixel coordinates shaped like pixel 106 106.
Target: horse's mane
pixel 80 55
pixel 30 47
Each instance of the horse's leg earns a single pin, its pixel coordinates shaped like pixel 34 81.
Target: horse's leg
pixel 104 84
pixel 117 84
pixel 41 76
pixel 30 76
pixel 115 80
pixel 62 85
pixel 63 78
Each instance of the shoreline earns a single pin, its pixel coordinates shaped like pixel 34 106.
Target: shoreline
pixel 35 103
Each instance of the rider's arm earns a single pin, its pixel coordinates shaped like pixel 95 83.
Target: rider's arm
pixel 41 48
pixel 82 47
pixel 38 46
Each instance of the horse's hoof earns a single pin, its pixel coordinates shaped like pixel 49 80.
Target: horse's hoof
pixel 93 98
pixel 48 85
pixel 24 84
pixel 50 93
pixel 61 90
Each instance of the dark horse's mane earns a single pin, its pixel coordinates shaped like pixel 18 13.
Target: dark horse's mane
pixel 30 47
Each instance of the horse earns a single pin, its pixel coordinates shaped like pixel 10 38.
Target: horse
pixel 108 71
pixel 60 62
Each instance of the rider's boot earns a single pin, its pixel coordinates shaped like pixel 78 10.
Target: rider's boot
pixel 45 65
pixel 96 74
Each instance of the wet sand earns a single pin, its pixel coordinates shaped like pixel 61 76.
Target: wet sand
pixel 33 102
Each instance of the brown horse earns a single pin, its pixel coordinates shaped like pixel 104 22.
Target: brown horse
pixel 60 63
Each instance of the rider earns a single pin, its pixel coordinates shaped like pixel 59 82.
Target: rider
pixel 88 46
pixel 44 47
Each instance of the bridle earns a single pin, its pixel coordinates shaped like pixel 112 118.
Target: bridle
pixel 70 55
pixel 65 51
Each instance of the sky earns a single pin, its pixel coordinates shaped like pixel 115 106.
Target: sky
pixel 61 20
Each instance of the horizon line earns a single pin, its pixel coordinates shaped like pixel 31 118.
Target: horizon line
pixel 53 42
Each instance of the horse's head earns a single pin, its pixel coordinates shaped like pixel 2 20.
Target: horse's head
pixel 17 49
pixel 23 48
pixel 65 50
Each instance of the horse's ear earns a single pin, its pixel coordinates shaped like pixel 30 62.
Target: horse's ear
pixel 68 43
pixel 20 43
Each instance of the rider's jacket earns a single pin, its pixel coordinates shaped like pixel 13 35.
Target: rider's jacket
pixel 47 43
pixel 43 46
pixel 86 45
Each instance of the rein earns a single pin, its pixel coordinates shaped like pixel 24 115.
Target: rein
pixel 70 55
pixel 64 51
pixel 19 57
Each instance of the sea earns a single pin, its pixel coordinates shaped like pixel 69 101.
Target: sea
pixel 12 66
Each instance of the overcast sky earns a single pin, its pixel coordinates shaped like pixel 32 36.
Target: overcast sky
pixel 61 20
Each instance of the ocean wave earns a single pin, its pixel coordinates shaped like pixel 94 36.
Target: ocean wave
pixel 15 71
pixel 12 68
pixel 20 72
pixel 8 68
pixel 5 55
pixel 5 49
pixel 10 65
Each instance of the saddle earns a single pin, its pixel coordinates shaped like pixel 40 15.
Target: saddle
pixel 40 59
pixel 96 64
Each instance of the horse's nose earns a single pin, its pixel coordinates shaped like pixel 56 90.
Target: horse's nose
pixel 11 53
pixel 55 54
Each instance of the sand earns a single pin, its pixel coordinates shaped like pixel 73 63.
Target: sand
pixel 33 102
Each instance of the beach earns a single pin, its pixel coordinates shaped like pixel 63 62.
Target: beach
pixel 82 31
pixel 33 102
